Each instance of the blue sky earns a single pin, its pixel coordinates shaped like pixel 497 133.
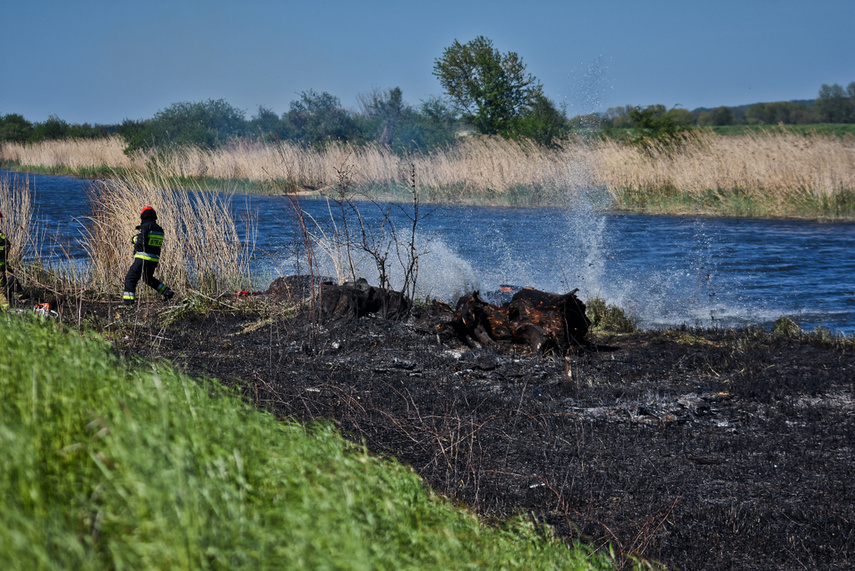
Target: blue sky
pixel 102 61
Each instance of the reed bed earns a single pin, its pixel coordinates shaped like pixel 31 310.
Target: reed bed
pixel 505 172
pixel 771 173
pixel 774 173
pixel 24 235
pixel 478 169
pixel 19 222
pixel 73 154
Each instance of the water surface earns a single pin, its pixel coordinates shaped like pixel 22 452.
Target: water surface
pixel 664 270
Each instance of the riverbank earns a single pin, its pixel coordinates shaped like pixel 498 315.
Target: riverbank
pixel 703 449
pixel 776 173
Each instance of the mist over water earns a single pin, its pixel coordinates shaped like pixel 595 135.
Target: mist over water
pixel 662 270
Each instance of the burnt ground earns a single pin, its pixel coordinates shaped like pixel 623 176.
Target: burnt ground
pixel 701 449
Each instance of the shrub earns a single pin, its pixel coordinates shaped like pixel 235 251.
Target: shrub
pixel 607 317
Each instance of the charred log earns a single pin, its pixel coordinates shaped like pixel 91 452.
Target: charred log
pixel 358 299
pixel 545 322
pixel 296 288
pixel 564 316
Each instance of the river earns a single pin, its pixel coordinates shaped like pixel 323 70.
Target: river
pixel 663 270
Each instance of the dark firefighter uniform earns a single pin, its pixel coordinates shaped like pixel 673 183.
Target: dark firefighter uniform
pixel 147 245
pixel 7 286
pixel 4 302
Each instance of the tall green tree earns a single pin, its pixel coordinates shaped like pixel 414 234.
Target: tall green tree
pixel 491 89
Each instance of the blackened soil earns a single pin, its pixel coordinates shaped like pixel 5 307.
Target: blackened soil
pixel 699 449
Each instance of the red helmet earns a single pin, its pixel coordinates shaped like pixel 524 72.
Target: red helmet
pixel 146 208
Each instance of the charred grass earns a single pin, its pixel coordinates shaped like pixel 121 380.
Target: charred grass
pixel 701 449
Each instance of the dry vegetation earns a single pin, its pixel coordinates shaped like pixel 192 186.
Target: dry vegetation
pixel 18 222
pixel 695 452
pixel 768 173
pixel 207 253
pixel 779 173
pixel 71 155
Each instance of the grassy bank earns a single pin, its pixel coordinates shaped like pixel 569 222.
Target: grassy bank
pixel 766 174
pixel 772 172
pixel 112 465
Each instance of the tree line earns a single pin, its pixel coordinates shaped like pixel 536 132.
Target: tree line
pixel 834 104
pixel 486 92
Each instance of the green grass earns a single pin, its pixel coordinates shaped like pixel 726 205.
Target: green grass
pixel 837 129
pixel 607 317
pixel 737 203
pixel 112 465
pixel 81 172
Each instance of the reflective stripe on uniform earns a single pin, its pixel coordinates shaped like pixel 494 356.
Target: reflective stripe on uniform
pixel 129 295
pixel 147 257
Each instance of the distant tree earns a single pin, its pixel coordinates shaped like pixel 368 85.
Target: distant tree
pixel 266 124
pixel 15 128
pixel 136 135
pixel 589 121
pixel 208 124
pixel 618 117
pixel 655 121
pixel 680 117
pixel 317 118
pixel 542 122
pixel 834 105
pixel 704 119
pixel 384 111
pixel 721 116
pixel 386 118
pixel 779 112
pixel 489 88
pixel 439 116
pixel 439 121
pixel 52 129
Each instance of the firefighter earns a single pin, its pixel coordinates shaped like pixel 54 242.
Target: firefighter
pixel 4 301
pixel 147 246
pixel 8 285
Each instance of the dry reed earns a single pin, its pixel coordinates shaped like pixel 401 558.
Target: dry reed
pixel 203 249
pixel 776 169
pixel 73 154
pixel 781 169
pixel 19 221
